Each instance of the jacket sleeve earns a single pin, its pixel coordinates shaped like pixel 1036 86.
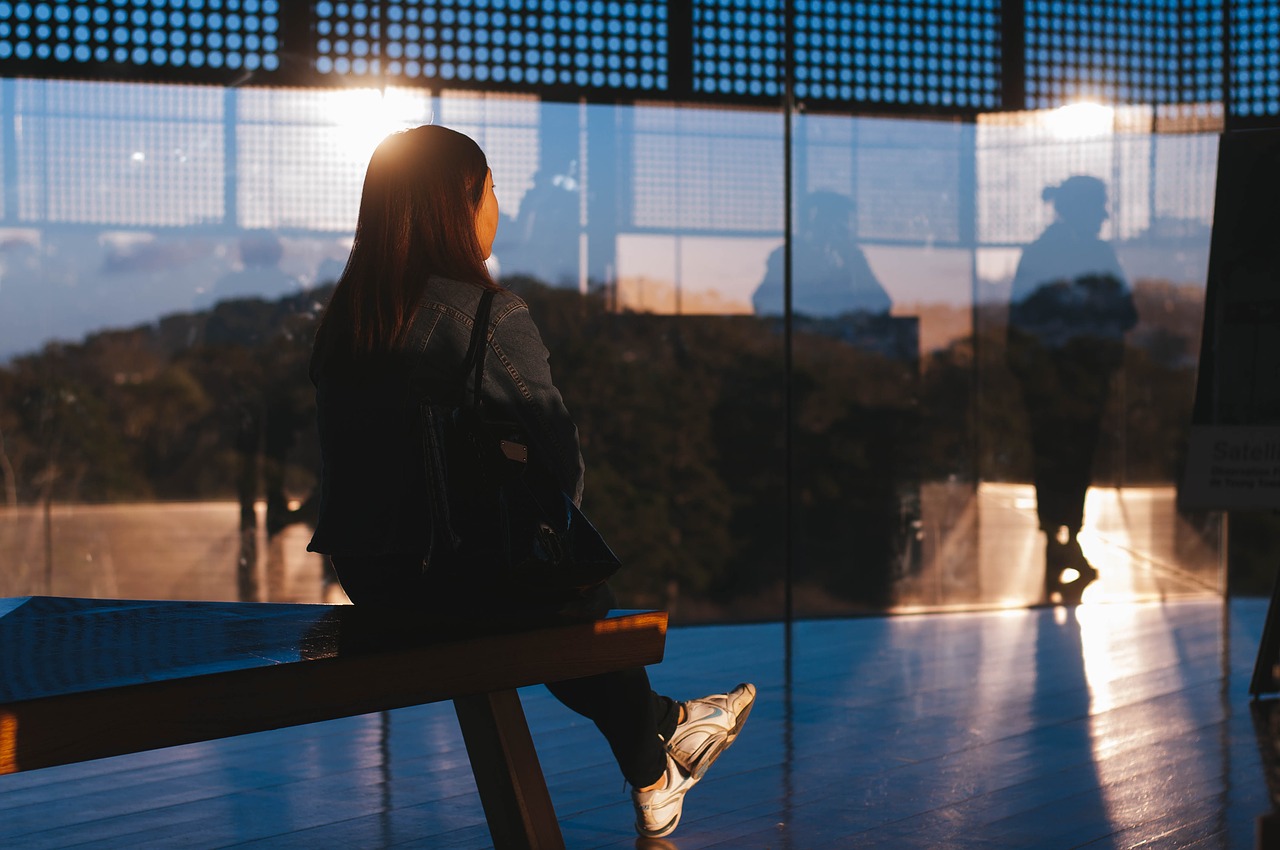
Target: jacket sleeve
pixel 518 380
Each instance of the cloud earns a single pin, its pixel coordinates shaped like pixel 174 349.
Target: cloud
pixel 133 253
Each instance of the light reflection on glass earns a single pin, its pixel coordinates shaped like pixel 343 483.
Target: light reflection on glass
pixel 1082 120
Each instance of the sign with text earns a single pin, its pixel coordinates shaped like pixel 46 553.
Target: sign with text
pixel 1232 467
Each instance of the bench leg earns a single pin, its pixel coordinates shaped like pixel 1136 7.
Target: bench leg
pixel 512 788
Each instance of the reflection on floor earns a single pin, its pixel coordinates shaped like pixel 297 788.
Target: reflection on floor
pixel 992 552
pixel 983 552
pixel 158 550
pixel 1110 725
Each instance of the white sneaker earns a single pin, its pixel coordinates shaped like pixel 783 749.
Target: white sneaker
pixel 710 725
pixel 658 811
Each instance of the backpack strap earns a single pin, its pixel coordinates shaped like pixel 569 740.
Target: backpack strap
pixel 434 427
pixel 476 350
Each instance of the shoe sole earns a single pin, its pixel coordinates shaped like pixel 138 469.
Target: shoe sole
pixel 661 832
pixel 698 764
pixel 668 827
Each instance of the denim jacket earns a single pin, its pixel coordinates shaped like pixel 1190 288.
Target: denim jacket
pixel 373 491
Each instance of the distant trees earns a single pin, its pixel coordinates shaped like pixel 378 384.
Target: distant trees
pixel 146 412
pixel 683 424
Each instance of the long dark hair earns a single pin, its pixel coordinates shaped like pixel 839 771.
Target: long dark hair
pixel 417 218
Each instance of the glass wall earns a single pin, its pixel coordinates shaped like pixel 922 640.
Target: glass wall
pixel 882 286
pixel 164 252
pixel 1088 203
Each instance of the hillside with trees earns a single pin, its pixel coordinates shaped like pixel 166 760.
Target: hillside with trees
pixel 682 421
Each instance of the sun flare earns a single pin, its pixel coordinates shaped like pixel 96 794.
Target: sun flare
pixel 364 117
pixel 1080 120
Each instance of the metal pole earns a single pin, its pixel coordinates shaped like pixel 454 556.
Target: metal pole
pixel 788 110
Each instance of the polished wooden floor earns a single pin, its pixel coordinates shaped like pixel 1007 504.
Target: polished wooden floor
pixel 1111 725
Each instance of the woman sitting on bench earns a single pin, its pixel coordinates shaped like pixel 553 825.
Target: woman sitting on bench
pixel 395 333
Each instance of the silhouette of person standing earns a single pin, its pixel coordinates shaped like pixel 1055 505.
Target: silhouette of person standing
pixel 832 276
pixel 546 241
pixel 1069 310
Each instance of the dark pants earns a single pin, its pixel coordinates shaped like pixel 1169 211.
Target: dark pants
pixel 1065 401
pixel 633 718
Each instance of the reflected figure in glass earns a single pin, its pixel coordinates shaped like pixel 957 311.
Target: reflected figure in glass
pixel 259 274
pixel 831 274
pixel 856 436
pixel 545 245
pixel 1069 310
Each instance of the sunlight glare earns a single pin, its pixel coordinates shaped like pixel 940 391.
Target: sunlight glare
pixel 1081 120
pixel 364 117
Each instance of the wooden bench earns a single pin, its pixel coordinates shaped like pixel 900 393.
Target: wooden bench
pixel 84 679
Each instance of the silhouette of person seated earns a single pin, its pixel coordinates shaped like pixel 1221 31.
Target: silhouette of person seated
pixel 831 276
pixel 1069 310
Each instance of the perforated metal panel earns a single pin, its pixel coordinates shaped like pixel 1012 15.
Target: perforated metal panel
pixel 738 47
pixel 1201 61
pixel 1184 185
pixel 233 34
pixel 1130 186
pixel 582 43
pixel 900 177
pixel 1017 157
pixel 907 180
pixel 688 167
pixel 959 56
pixel 1019 154
pixel 301 157
pixel 1116 51
pixel 115 159
pixel 1255 44
pixel 506 128
pixel 927 53
pixel 4 151
pixel 908 55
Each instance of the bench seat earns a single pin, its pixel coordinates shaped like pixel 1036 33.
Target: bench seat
pixel 83 679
